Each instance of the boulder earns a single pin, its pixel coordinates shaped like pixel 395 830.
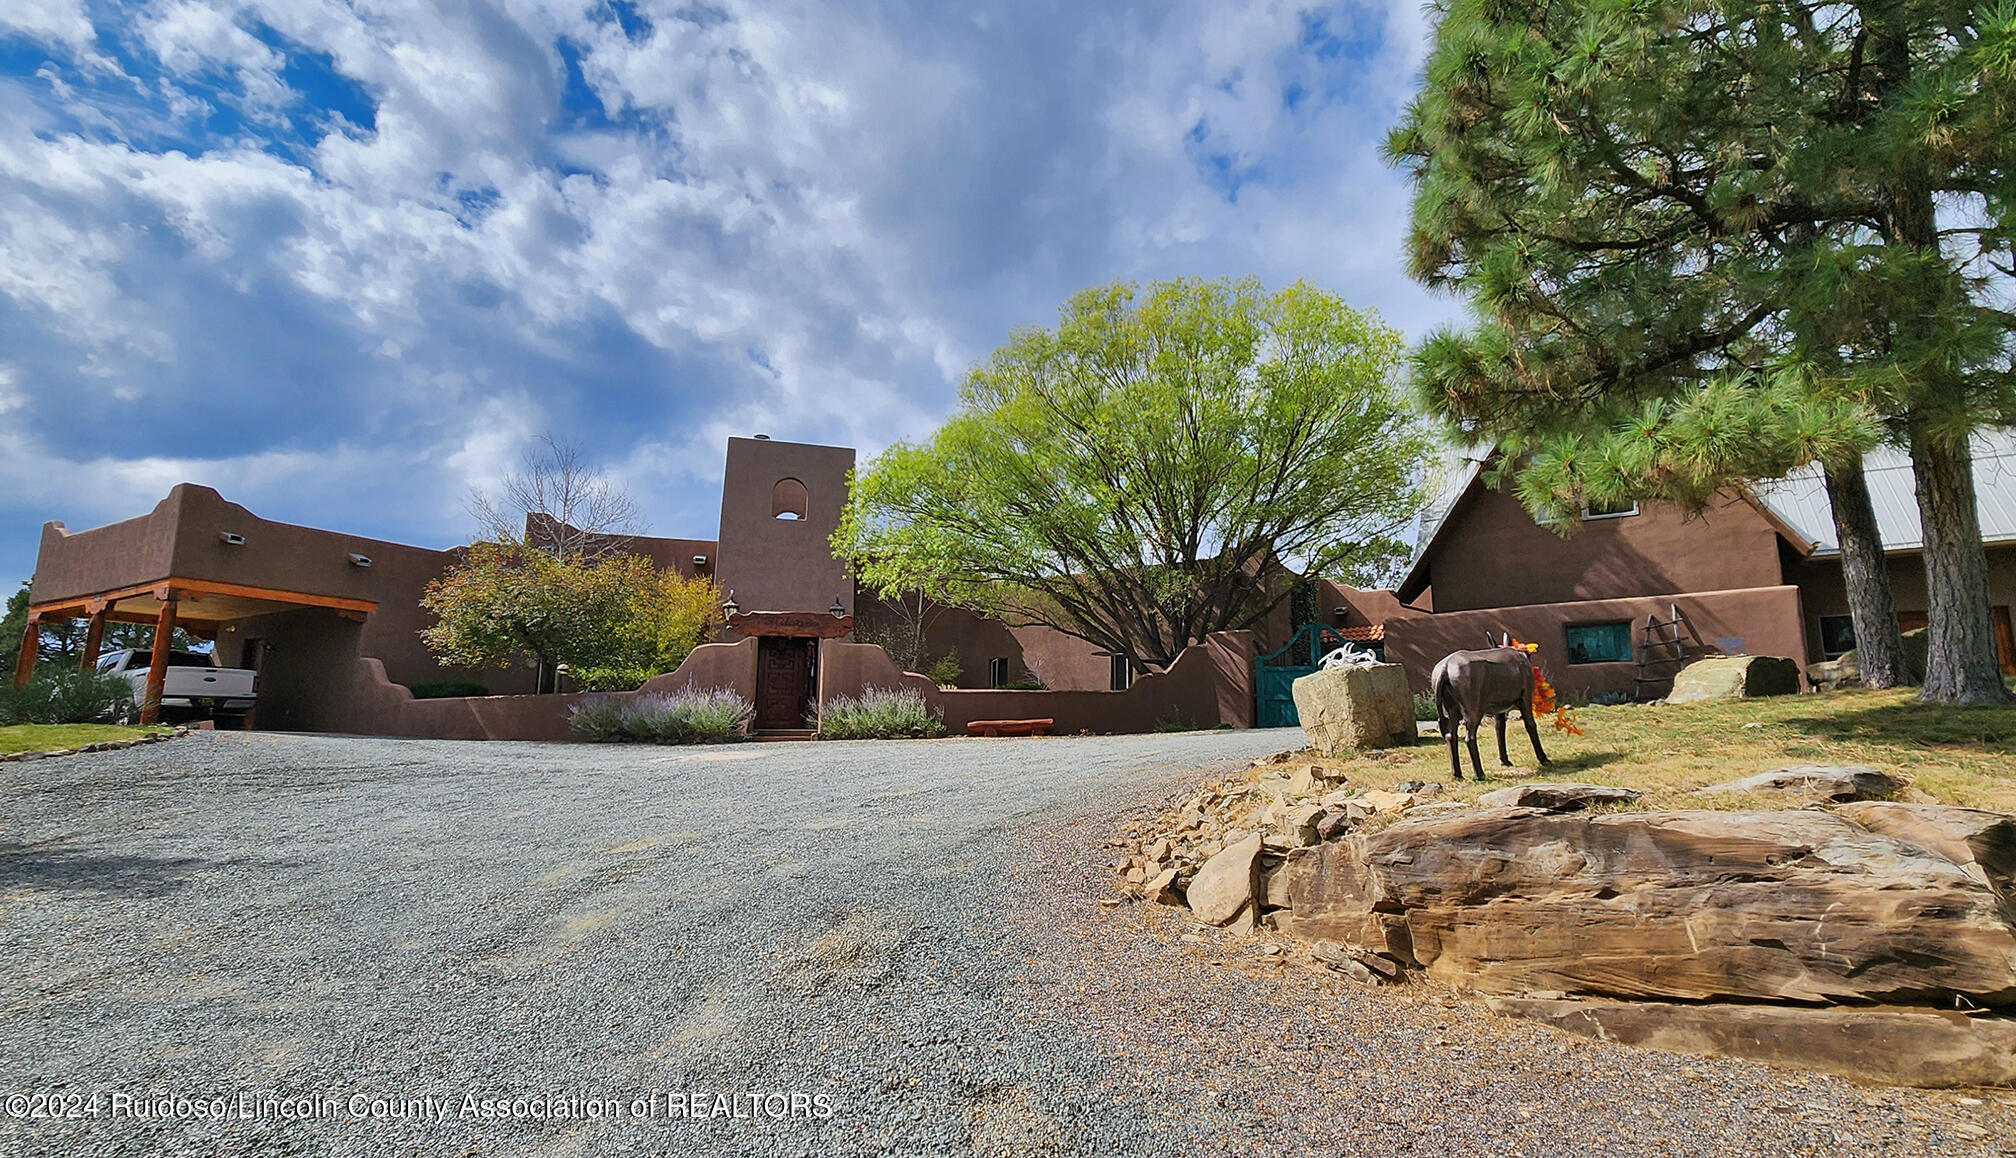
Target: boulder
pixel 1847 669
pixel 1802 905
pixel 1982 843
pixel 1227 883
pixel 1556 797
pixel 1734 677
pixel 1935 1049
pixel 1836 782
pixel 1378 800
pixel 1313 780
pixel 1352 708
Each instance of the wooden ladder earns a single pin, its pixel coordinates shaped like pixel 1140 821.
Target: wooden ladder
pixel 1658 636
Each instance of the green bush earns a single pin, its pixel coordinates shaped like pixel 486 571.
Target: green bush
pixel 880 714
pixel 1424 706
pixel 715 716
pixel 447 689
pixel 67 697
pixel 945 670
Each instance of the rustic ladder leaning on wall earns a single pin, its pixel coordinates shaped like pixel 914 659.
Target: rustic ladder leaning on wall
pixel 1663 635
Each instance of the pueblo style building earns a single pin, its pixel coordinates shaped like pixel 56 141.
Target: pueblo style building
pixel 331 621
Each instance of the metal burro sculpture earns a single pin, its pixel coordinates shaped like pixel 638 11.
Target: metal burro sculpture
pixel 1470 685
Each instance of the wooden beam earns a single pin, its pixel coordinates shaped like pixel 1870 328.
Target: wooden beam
pixel 794 624
pixel 94 637
pixel 31 645
pixel 165 590
pixel 157 666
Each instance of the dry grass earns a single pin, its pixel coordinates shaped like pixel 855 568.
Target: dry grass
pixel 1964 756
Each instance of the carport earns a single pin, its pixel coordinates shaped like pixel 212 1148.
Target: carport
pixel 202 607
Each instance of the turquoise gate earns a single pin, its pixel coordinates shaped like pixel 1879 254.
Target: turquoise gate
pixel 1275 673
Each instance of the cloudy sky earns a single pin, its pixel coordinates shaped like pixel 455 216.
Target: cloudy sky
pixel 342 259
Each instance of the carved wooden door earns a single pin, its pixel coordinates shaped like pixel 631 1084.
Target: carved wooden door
pixel 783 669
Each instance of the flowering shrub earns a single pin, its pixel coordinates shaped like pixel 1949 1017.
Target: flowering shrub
pixel 715 716
pixel 880 714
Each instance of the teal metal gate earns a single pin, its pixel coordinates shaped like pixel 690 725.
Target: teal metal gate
pixel 1275 673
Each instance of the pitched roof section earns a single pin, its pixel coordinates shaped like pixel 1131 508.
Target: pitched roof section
pixel 1462 469
pixel 1796 504
pixel 1800 498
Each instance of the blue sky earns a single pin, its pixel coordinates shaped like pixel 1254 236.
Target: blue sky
pixel 344 260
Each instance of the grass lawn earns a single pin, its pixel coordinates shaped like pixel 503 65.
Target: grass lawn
pixel 1964 756
pixel 48 737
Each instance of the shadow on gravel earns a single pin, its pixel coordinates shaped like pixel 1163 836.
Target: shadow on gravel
pixel 55 870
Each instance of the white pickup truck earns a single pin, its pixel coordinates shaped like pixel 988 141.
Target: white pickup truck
pixel 194 684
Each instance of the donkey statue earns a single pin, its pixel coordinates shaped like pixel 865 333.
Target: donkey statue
pixel 1470 685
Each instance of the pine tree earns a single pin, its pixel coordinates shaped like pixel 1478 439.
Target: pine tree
pixel 1709 241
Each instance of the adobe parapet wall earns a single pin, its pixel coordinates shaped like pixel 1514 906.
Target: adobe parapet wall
pixel 1209 685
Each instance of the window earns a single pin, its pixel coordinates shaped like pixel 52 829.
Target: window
pixel 1599 642
pixel 1608 510
pixel 1837 635
pixel 997 672
pixel 1123 673
pixel 788 499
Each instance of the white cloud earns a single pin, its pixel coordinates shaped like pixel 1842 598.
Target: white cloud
pixel 795 217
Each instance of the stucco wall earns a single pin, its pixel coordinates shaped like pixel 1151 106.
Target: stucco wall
pixel 1209 684
pixel 776 564
pixel 1766 619
pixel 1492 554
pixel 1824 593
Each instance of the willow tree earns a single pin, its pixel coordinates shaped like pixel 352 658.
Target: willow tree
pixel 1141 475
pixel 1711 240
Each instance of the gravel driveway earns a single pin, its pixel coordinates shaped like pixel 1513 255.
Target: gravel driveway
pixel 367 946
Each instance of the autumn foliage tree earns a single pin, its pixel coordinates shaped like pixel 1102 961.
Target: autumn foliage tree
pixel 612 621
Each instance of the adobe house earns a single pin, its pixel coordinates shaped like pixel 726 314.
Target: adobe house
pixel 1758 573
pixel 332 621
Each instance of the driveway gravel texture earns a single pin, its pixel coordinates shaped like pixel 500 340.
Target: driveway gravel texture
pixel 833 948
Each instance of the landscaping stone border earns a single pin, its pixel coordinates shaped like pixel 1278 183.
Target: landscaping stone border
pixel 101 746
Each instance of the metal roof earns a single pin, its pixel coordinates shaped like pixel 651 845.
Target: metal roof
pixel 1800 498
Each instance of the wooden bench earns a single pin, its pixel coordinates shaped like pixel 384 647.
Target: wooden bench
pixel 1010 727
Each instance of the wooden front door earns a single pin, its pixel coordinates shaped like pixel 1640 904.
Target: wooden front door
pixel 784 673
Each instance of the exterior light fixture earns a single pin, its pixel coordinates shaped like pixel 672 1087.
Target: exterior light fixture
pixel 729 606
pixel 838 609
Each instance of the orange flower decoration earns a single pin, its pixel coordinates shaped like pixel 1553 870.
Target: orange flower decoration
pixel 1545 702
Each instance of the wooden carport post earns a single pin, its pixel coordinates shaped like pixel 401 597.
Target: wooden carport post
pixel 31 645
pixel 94 638
pixel 157 667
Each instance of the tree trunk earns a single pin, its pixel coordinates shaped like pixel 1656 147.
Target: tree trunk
pixel 1961 666
pixel 1879 647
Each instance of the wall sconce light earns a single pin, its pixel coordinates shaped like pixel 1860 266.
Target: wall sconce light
pixel 838 609
pixel 231 538
pixel 729 606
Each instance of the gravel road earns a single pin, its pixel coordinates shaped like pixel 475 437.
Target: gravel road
pixel 863 948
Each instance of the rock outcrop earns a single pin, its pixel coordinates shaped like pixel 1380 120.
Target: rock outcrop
pixel 1734 677
pixel 1557 797
pixel 1835 782
pixel 1793 906
pixel 1356 707
pixel 1935 1049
